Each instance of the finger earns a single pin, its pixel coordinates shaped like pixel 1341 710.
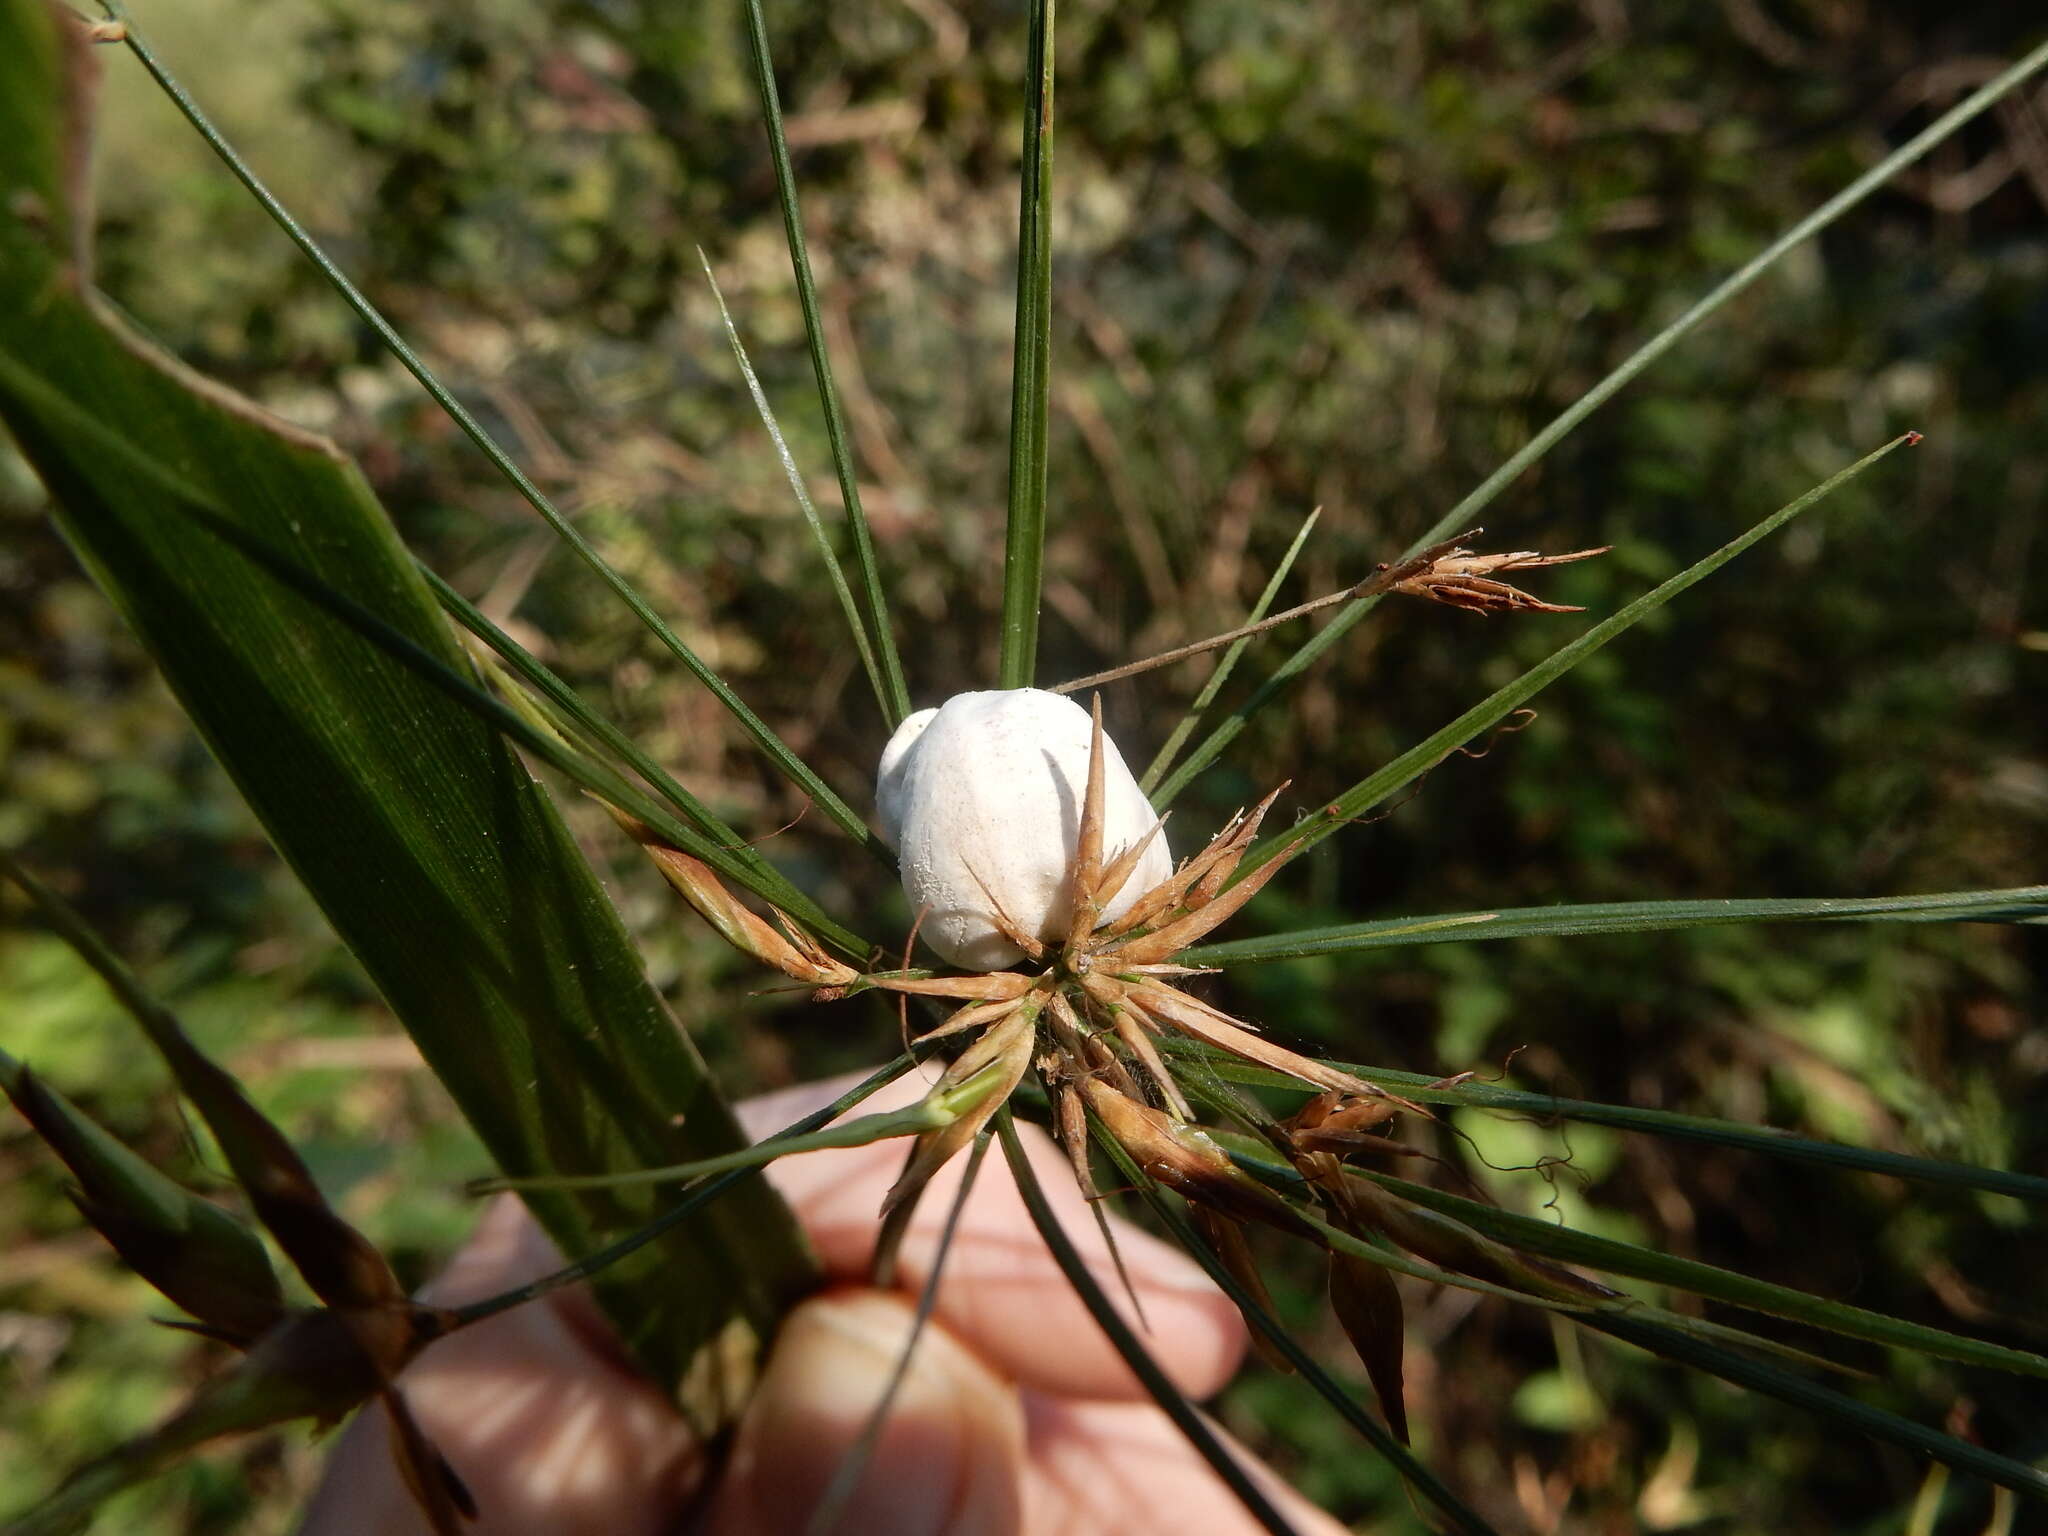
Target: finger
pixel 549 1429
pixel 949 1456
pixel 1122 1469
pixel 1001 1290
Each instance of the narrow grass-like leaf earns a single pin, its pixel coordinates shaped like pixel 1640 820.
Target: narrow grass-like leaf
pixel 1832 1406
pixel 2014 904
pixel 1426 754
pixel 422 836
pixel 895 696
pixel 776 750
pixel 1616 1258
pixel 1467 511
pixel 1031 376
pixel 833 573
pixel 1155 1381
pixel 1546 1108
pixel 1186 728
pixel 1468 1256
pixel 1411 1467
pixel 1435 1274
pixel 864 1132
pixel 696 1198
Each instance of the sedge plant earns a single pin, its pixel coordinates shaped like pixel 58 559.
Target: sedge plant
pixel 1072 948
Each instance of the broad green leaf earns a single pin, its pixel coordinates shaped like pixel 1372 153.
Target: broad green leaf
pixel 1031 379
pixel 1467 511
pixel 719 846
pixel 895 696
pixel 2017 904
pixel 439 861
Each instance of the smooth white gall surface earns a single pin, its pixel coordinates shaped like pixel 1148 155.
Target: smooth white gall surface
pixel 981 798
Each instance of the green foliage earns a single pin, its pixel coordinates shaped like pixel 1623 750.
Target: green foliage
pixel 424 839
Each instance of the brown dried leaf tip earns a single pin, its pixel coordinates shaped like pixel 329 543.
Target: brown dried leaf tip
pixel 1460 578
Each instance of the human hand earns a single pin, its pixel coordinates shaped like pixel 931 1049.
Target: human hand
pixel 1015 1416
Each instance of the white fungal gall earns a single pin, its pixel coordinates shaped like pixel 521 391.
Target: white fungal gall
pixel 981 798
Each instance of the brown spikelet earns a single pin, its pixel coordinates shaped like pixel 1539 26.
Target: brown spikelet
pixel 1461 579
pixel 782 944
pixel 1084 871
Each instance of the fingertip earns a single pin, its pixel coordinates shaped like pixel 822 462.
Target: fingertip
pixel 948 1458
pixel 1002 1291
pixel 1124 1469
pixel 535 1409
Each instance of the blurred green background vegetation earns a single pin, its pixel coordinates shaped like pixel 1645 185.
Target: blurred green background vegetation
pixel 1314 254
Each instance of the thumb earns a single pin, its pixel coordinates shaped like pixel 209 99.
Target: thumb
pixel 948 1460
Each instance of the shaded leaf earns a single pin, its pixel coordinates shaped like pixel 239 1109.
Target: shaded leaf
pixel 319 1365
pixel 1584 1248
pixel 342 1267
pixel 202 1258
pixel 436 857
pixel 1835 1407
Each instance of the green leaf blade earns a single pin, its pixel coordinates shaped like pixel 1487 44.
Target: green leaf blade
pixel 2015 904
pixel 1426 754
pixel 1552 1241
pixel 855 625
pixel 895 695
pixel 1031 381
pixel 1170 749
pixel 777 751
pixel 1836 1407
pixel 1765 1140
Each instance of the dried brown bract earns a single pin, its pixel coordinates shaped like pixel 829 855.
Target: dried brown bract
pixel 1459 578
pixel 1092 1017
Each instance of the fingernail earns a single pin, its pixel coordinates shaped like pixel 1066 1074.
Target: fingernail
pixel 947 1461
